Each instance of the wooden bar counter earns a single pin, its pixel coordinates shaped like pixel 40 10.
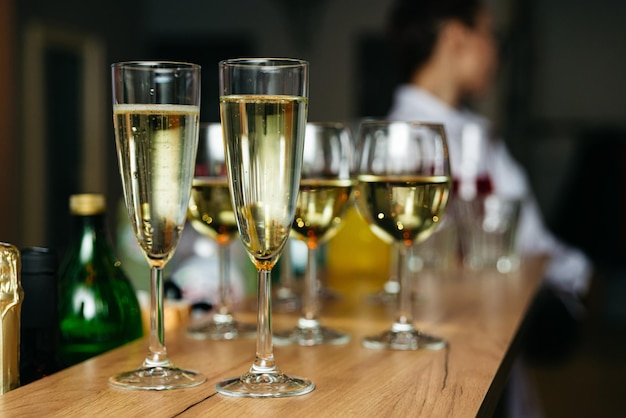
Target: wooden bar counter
pixel 479 314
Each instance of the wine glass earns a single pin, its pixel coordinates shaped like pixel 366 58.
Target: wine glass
pixel 325 191
pixel 211 214
pixel 156 109
pixel 404 183
pixel 263 107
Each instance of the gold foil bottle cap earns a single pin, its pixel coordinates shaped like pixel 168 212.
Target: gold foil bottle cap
pixel 87 204
pixel 11 296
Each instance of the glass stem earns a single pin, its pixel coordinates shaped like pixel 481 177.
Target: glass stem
pixel 157 353
pixel 393 282
pixel 404 318
pixel 264 361
pixel 310 308
pixel 224 279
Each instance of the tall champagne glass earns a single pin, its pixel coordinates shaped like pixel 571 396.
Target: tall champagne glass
pixel 263 108
pixel 404 183
pixel 325 191
pixel 211 214
pixel 156 114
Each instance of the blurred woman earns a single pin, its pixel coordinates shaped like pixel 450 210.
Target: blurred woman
pixel 447 57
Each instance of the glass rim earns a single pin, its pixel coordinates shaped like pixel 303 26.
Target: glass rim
pixel 264 62
pixel 156 65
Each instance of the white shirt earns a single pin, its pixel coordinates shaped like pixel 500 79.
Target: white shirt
pixel 569 269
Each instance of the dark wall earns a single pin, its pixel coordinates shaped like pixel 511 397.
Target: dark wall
pixel 118 26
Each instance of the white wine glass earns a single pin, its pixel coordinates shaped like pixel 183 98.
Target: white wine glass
pixel 404 185
pixel 263 108
pixel 211 214
pixel 325 192
pixel 156 111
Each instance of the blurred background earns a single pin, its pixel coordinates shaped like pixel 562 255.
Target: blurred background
pixel 559 103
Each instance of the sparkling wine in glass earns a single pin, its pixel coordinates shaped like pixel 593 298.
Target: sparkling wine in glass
pixel 325 192
pixel 404 183
pixel 263 108
pixel 156 114
pixel 211 214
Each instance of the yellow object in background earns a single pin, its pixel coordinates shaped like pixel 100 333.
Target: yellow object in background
pixel 176 313
pixel 357 260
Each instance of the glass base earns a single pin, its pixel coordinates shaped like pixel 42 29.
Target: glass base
pixel 308 333
pixel 404 338
pixel 265 385
pixel 221 327
pixel 157 378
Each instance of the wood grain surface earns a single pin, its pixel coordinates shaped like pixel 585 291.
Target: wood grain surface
pixel 479 315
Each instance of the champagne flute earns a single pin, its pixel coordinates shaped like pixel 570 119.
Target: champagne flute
pixel 211 214
pixel 156 108
pixel 325 191
pixel 263 108
pixel 404 183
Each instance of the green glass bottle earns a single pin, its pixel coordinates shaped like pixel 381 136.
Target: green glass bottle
pixel 98 307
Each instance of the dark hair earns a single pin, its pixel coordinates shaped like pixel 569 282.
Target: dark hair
pixel 413 28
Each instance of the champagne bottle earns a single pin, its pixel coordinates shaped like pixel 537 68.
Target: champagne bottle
pixel 98 307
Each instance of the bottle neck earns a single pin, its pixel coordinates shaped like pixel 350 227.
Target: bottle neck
pixel 90 243
pixel 88 224
pixel 90 234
